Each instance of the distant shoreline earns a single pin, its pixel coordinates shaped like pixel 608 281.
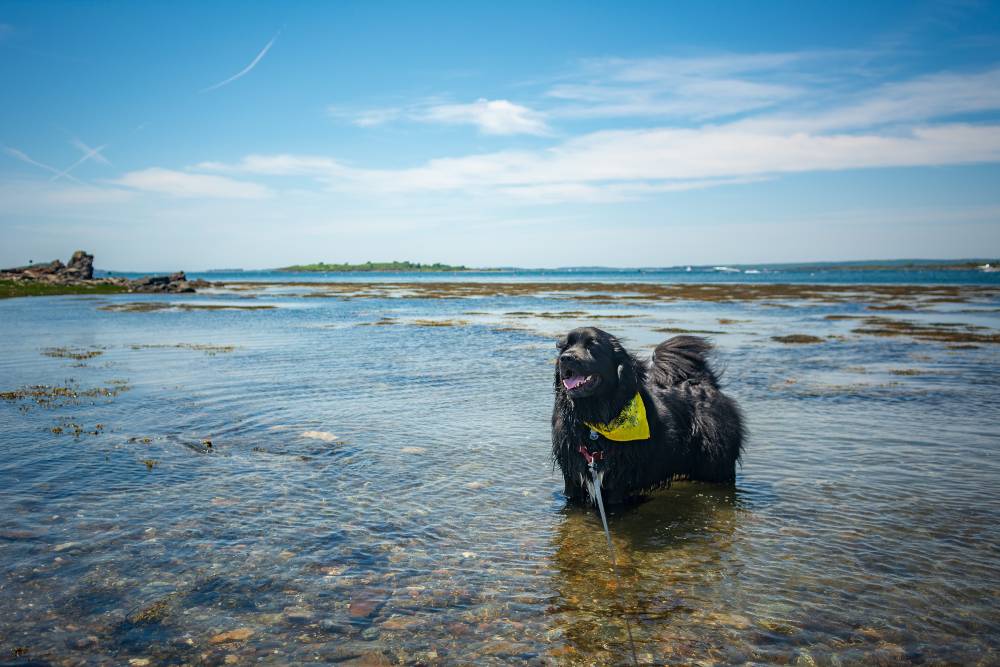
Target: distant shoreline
pixel 371 267
pixel 853 265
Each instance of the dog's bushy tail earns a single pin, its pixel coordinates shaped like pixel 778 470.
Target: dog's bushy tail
pixel 681 359
pixel 681 366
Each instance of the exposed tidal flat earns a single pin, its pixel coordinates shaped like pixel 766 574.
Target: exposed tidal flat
pixel 359 471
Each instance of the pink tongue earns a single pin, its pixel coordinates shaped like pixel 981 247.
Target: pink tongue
pixel 573 382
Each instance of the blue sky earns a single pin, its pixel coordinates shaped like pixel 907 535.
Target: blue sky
pixel 200 135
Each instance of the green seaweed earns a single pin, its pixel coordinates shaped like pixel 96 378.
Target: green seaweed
pixel 10 289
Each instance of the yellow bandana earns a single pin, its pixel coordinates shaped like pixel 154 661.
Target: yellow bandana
pixel 630 424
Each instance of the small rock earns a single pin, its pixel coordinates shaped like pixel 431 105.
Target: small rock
pixel 805 660
pixel 298 614
pixel 373 659
pixel 82 643
pixel 333 627
pixel 65 545
pixel 397 622
pixel 237 635
pixel 17 535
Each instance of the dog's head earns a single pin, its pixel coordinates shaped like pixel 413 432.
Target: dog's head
pixel 592 363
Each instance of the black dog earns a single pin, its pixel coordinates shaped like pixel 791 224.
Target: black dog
pixel 650 421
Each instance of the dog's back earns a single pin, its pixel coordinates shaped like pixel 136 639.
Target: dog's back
pixel 681 375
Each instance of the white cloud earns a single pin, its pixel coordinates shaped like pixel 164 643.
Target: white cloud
pixel 187 185
pixel 498 117
pixel 490 116
pixel 373 117
pixel 278 165
pixel 25 197
pixel 620 164
pixel 907 123
pixel 367 117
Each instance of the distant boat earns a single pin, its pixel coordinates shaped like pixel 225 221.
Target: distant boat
pixel 987 268
pixel 688 269
pixel 726 269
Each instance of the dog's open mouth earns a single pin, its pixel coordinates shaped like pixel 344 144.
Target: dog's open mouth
pixel 577 382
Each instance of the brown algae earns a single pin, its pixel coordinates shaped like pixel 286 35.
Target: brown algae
pixel 80 354
pixel 59 395
pixel 945 332
pixel 153 306
pixel 797 339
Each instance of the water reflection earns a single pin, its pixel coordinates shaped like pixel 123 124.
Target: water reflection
pixel 674 553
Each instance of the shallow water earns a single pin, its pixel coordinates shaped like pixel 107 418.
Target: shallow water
pixel 378 487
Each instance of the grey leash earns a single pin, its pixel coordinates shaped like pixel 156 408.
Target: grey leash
pixel 595 491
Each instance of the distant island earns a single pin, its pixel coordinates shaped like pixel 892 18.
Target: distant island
pixel 376 266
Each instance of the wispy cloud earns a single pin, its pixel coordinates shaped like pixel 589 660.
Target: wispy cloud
pixel 490 116
pixel 697 88
pixel 369 117
pixel 186 185
pixel 279 165
pixel 27 159
pixel 920 99
pixel 497 117
pixel 246 70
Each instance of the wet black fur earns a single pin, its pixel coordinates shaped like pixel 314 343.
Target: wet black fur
pixel 696 431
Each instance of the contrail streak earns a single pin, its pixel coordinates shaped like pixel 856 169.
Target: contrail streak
pixel 95 154
pixel 24 157
pixel 88 153
pixel 246 69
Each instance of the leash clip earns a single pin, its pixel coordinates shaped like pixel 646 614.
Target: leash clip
pixel 590 457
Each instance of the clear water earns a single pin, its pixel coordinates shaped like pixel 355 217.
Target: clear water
pixel 431 529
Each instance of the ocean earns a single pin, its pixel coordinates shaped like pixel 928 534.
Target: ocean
pixel 300 468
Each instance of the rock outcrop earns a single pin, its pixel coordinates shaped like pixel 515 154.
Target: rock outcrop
pixel 80 271
pixel 81 264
